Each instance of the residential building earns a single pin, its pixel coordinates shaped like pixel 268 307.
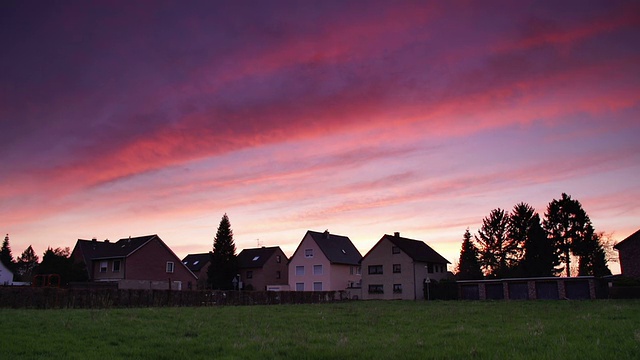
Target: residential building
pixel 6 275
pixel 263 268
pixel 144 262
pixel 324 262
pixel 199 266
pixel 398 268
pixel 629 254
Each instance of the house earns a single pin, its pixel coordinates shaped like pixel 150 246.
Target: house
pixel 263 268
pixel 144 262
pixel 324 262
pixel 6 275
pixel 397 268
pixel 199 266
pixel 629 253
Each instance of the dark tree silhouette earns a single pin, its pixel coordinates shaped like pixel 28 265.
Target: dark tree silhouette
pixel 569 227
pixel 540 256
pixel 5 254
pixel 592 257
pixel 58 261
pixel 497 251
pixel 26 265
pixel 468 265
pixel 224 266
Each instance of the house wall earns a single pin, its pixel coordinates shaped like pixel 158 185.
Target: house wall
pixel 629 254
pixel 6 276
pixel 411 276
pixel 343 275
pixel 299 259
pixel 150 261
pixel 109 275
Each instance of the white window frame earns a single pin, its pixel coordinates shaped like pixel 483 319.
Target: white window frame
pixel 299 270
pixel 104 265
pixel 113 266
pixel 308 253
pixel 170 267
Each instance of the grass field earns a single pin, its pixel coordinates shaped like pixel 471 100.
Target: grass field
pixel 602 329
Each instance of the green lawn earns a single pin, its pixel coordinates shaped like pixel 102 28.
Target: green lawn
pixel 601 329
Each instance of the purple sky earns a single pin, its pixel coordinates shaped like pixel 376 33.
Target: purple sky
pixel 124 118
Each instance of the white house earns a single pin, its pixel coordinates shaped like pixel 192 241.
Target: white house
pixel 6 276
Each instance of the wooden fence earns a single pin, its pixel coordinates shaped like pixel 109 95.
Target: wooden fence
pixel 55 298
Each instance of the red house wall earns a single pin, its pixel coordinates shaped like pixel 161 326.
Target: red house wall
pixel 150 263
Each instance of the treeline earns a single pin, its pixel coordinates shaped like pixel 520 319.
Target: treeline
pixel 54 261
pixel 520 244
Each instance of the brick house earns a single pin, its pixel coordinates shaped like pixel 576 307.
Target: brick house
pixel 397 267
pixel 144 262
pixel 324 262
pixel 263 268
pixel 629 254
pixel 199 266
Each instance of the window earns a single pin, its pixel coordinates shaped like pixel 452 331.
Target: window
pixel 395 250
pixel 278 259
pixel 375 269
pixel 317 286
pixel 376 289
pixel 103 266
pixel 116 266
pixel 196 262
pixel 397 268
pixel 299 270
pixel 317 269
pixel 358 270
pixel 430 268
pixel 354 270
pixel 299 286
pixel 278 275
pixel 308 253
pixel 170 266
pixel 255 258
pixel 249 274
pixel 397 288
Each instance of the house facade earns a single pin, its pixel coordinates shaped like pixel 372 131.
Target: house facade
pixel 397 268
pixel 324 262
pixel 199 266
pixel 6 275
pixel 144 262
pixel 263 268
pixel 629 254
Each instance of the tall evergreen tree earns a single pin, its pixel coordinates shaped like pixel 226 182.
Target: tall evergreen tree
pixel 592 258
pixel 497 251
pixel 5 254
pixel 224 265
pixel 26 265
pixel 468 265
pixel 521 220
pixel 568 226
pixel 540 256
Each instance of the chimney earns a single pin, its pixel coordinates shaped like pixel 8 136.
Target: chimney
pixel 326 234
pixel 396 234
pixel 94 239
pixel 107 241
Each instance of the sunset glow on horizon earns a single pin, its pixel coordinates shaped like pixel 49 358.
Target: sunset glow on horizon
pixel 364 118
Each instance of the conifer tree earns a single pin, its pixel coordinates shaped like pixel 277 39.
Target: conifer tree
pixel 224 267
pixel 26 265
pixel 497 251
pixel 5 254
pixel 468 265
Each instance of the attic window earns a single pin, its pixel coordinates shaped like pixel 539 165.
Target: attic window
pixel 308 253
pixel 256 258
pixel 170 266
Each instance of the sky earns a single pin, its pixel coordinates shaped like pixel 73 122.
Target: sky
pixel 128 118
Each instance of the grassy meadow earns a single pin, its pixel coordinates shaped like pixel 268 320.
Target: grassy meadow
pixel 601 329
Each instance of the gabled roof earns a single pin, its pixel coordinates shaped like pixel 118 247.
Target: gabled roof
pixel 94 250
pixel 195 262
pixel 629 239
pixel 337 248
pixel 416 249
pixel 256 257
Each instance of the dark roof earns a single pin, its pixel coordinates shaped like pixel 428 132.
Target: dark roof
pixel 195 262
pixel 416 249
pixel 629 239
pixel 337 248
pixel 93 249
pixel 256 257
